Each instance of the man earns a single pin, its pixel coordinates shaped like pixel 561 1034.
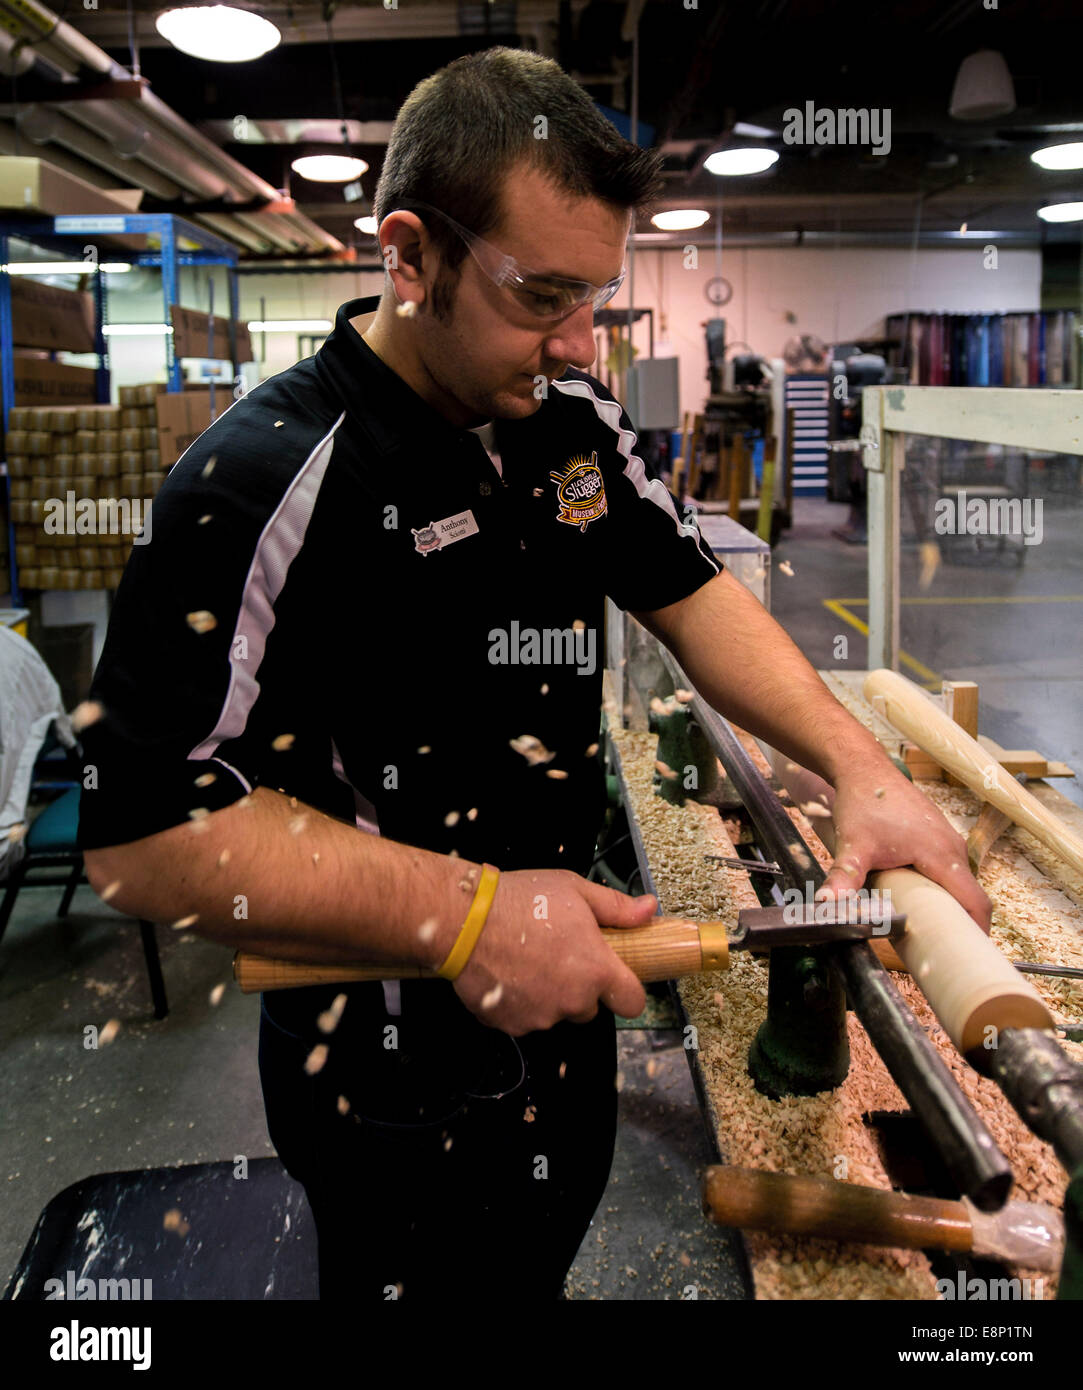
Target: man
pixel 355 615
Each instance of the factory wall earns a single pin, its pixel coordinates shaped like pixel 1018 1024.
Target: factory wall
pixel 777 293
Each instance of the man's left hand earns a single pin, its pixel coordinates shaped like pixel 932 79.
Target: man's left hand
pixel 882 821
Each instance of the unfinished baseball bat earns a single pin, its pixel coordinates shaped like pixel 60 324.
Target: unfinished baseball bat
pixel 923 721
pixel 665 949
pixel 970 985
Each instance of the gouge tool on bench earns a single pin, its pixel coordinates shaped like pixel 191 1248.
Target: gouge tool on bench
pixel 665 949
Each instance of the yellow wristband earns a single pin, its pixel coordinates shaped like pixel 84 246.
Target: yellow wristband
pixel 471 928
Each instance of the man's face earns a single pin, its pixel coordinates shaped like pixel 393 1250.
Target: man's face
pixel 487 353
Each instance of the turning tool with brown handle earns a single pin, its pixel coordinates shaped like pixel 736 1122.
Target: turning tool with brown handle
pixel 970 985
pixel 913 713
pixel 1023 1233
pixel 665 949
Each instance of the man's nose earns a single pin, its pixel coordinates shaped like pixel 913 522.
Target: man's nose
pixel 572 340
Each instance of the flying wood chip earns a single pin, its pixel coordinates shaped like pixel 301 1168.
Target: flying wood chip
pixel 85 714
pixel 283 742
pixel 201 621
pixel 316 1058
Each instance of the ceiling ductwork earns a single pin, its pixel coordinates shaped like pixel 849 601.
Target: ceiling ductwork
pixel 140 141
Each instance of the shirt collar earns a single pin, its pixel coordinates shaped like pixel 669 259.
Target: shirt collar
pixel 388 409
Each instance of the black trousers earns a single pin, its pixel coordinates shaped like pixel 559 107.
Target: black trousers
pixel 441 1159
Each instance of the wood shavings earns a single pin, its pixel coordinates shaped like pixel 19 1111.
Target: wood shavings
pixel 815 808
pixel 578 625
pixel 297 824
pixel 425 748
pixel 224 858
pixel 406 310
pixel 216 995
pixel 109 1032
pixel 532 749
pixel 182 923
pixel 110 890
pixel 452 818
pixel 343 1105
pixel 545 689
pixel 205 779
pixel 174 1221
pixel 557 773
pixel 283 742
pixel 786 568
pixel 17 833
pixel 664 769
pixel 530 1113
pixel 204 519
pixel 684 697
pixel 427 930
pixel 591 750
pixel 472 814
pixel 328 1020
pixel 492 997
pixel 208 467
pixel 562 1069
pixel 202 621
pixel 315 1060
pixel 279 424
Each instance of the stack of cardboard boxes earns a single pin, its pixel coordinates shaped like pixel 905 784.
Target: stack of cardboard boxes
pixel 81 480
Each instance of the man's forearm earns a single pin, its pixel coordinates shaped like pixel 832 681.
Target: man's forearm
pixel 756 676
pixel 272 875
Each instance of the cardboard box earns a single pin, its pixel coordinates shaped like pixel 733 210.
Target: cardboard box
pixel 182 418
pixel 190 336
pixel 41 382
pixel 29 184
pixel 46 316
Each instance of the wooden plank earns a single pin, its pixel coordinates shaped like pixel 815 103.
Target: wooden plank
pixel 961 704
pixel 1048 421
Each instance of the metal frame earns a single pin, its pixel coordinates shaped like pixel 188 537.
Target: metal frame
pixel 170 230
pixel 1021 417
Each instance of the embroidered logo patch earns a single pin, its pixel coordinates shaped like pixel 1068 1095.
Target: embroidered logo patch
pixel 439 534
pixel 580 491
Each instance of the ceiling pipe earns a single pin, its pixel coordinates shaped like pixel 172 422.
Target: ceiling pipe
pixel 43 125
pixel 169 145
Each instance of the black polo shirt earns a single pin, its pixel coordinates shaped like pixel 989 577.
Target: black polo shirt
pixel 392 617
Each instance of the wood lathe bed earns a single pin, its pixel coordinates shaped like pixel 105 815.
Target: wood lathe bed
pixel 1038 917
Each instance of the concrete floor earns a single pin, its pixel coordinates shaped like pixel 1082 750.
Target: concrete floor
pixel 185 1090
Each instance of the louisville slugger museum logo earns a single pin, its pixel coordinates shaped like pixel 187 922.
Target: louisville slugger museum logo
pixel 580 491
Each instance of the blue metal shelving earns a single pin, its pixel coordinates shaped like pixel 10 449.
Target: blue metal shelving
pixel 51 232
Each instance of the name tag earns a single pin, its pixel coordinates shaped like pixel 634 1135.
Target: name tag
pixel 439 534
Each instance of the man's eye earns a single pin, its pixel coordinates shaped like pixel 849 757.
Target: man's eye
pixel 543 303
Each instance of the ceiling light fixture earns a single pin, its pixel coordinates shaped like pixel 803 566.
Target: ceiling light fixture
pixel 329 168
pixel 680 219
pixel 742 161
pixel 64 267
pixel 1060 156
pixel 218 33
pixel 983 88
pixel 1062 212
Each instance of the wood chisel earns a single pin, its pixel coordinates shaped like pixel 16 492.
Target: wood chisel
pixel 666 949
pixel 1029 1234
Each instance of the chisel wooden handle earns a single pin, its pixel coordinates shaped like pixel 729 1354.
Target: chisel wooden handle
pixel 666 949
pixel 917 716
pixel 751 1200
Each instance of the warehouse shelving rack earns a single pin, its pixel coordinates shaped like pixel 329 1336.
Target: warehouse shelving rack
pixel 51 233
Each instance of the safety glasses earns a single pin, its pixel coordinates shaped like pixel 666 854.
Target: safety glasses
pixel 545 297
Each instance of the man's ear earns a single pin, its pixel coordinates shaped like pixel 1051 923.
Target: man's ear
pixel 404 248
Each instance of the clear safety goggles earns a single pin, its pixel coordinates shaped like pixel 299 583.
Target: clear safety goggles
pixel 546 297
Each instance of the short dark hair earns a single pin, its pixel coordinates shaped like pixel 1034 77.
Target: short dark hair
pixel 462 130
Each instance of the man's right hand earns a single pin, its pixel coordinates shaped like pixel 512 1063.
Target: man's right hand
pixel 541 959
